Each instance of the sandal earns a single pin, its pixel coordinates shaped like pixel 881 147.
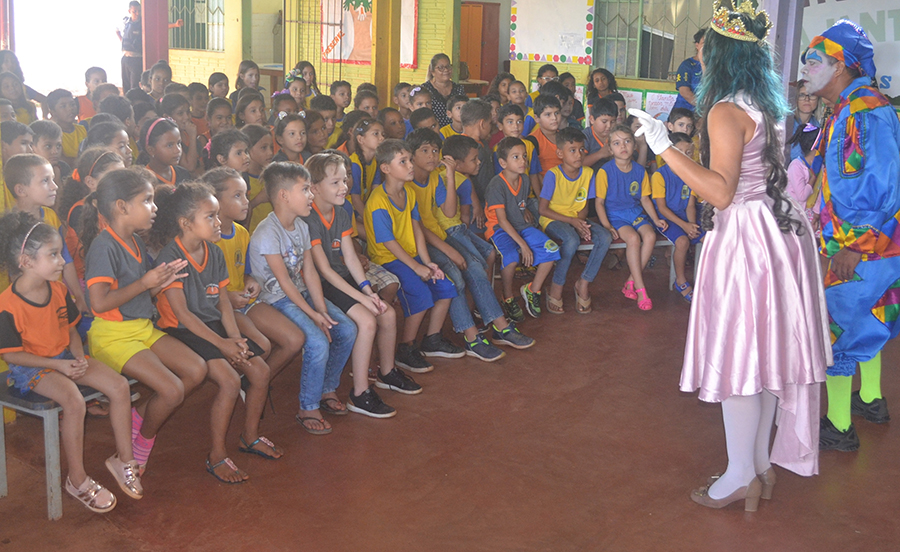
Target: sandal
pixel 93 495
pixel 250 450
pixel 644 304
pixel 554 306
pixel 303 419
pixel 582 306
pixel 211 468
pixel 628 290
pixel 325 406
pixel 684 287
pixel 97 409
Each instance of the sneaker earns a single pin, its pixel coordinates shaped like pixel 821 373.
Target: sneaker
pixel 830 438
pixel 482 350
pixel 436 345
pixel 512 310
pixel 410 357
pixel 126 475
pixel 875 411
pixel 93 495
pixel 368 403
pixel 399 381
pixel 532 300
pixel 511 336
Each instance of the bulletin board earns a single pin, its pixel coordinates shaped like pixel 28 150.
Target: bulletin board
pixel 563 33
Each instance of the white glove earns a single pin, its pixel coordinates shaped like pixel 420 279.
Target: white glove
pixel 653 130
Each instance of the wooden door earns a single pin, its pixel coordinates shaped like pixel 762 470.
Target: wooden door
pixel 470 50
pixel 490 41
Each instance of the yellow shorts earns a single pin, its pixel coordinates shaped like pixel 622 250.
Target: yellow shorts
pixel 114 343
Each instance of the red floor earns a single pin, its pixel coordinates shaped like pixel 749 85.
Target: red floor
pixel 581 443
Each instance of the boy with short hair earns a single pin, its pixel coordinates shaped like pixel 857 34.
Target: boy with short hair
pixel 396 241
pixel 510 227
pixel 422 118
pixel 602 118
pixel 93 77
pixel 476 121
pixel 48 144
pixel 198 95
pixel 546 109
pixel 7 111
pixel 510 117
pixel 121 108
pixel 565 195
pixel 454 108
pixel 556 90
pixel 15 138
pixel 619 100
pixel 327 108
pixel 64 112
pixel 401 99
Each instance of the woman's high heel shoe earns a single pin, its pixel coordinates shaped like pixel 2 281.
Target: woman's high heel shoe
pixel 750 494
pixel 767 478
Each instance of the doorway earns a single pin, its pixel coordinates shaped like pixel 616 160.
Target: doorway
pixel 479 39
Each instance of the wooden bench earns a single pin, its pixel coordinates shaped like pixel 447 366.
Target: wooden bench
pixel 39 405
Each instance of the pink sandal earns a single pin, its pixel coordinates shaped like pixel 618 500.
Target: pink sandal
pixel 645 303
pixel 628 290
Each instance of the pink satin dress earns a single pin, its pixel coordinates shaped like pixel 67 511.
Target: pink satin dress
pixel 758 318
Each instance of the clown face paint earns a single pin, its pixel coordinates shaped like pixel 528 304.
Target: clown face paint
pixel 817 71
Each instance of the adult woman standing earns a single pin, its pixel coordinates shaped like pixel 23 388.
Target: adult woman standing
pixel 805 114
pixel 758 335
pixel 441 86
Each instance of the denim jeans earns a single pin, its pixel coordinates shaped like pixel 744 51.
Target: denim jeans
pixel 323 362
pixel 460 315
pixel 462 237
pixel 476 273
pixel 569 240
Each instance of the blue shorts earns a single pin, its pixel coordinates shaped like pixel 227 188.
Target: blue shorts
pixel 416 295
pixel 24 378
pixel 543 248
pixel 673 232
pixel 628 217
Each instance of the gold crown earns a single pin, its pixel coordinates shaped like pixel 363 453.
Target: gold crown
pixel 734 28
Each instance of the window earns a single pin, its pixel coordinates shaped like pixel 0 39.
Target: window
pixel 204 25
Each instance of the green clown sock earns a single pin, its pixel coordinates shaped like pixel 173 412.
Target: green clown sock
pixel 839 388
pixel 870 379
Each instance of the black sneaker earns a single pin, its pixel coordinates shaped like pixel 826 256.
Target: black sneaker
pixel 482 350
pixel 512 310
pixel 830 438
pixel 532 300
pixel 511 336
pixel 875 411
pixel 368 403
pixel 397 380
pixel 410 357
pixel 436 345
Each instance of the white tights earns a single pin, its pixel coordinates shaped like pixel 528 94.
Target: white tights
pixel 748 428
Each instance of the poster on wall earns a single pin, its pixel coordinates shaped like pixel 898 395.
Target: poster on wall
pixel 659 104
pixel 347 32
pixel 563 34
pixel 633 98
pixel 881 21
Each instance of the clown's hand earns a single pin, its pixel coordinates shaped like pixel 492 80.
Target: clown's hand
pixel 653 130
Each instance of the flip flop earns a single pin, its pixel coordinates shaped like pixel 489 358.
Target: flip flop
pixel 325 406
pixel 582 306
pixel 211 468
pixel 302 421
pixel 250 450
pixel 554 306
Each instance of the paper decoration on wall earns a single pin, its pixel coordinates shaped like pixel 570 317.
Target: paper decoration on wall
pixel 659 104
pixel 347 32
pixel 563 34
pixel 633 98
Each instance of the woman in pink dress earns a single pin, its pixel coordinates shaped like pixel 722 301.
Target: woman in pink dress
pixel 758 335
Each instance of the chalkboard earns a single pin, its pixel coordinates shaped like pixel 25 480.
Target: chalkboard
pixel 559 31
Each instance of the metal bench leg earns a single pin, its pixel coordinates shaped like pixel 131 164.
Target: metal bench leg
pixel 4 489
pixel 672 276
pixel 51 461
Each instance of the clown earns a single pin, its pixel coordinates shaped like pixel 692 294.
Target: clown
pixel 860 233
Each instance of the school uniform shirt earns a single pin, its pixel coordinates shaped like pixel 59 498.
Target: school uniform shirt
pixel 176 175
pixel 534 164
pixel 119 262
pixel 202 125
pixel 425 192
pixel 41 330
pixel 593 144
pixel 261 211
pixel 330 235
pixel 234 247
pixel 546 151
pixel 384 221
pixel 508 196
pixel 206 278
pixel 529 123
pixel 85 108
pixel 271 238
pixel 666 184
pixel 622 191
pixel 71 141
pixel 567 196
pixel 463 197
pixel 447 131
pixel 335 134
pixel 689 74
pixel 365 177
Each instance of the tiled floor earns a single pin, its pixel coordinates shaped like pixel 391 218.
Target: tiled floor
pixel 582 443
